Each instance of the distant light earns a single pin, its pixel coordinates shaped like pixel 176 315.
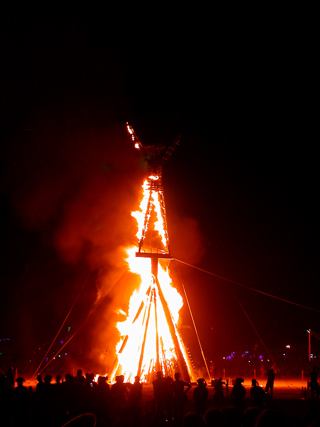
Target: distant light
pixel 288 346
pixel 61 342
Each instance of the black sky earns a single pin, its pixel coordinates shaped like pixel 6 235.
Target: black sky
pixel 244 178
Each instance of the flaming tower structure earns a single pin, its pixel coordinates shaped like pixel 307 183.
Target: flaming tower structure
pixel 150 339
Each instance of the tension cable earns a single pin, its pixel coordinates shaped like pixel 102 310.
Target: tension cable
pixel 247 287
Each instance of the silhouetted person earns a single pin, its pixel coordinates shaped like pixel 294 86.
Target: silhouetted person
pixel 314 386
pixel 48 402
pixel 135 394
pixel 162 396
pixel 119 398
pixel 270 381
pixel 6 401
pixel 101 397
pixel 238 393
pixel 88 387
pixel 257 395
pixel 80 379
pixel 58 402
pixel 200 396
pixel 218 396
pixel 39 386
pixel 214 418
pixel 193 420
pixel 179 391
pixel 271 417
pixel 250 416
pixel 21 404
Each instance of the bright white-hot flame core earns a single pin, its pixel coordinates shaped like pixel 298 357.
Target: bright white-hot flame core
pixel 135 328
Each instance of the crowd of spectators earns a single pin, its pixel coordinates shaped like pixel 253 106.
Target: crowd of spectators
pixel 88 400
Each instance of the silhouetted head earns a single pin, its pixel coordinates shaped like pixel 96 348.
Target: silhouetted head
pixel 137 379
pixel 250 416
pixel 239 381
pixel 176 376
pixel 213 417
pixel 254 382
pixel 39 378
pixel 200 381
pixel 159 374
pixel 102 380
pixel 47 379
pixel 193 420
pixel 270 417
pixel 20 381
pixel 120 379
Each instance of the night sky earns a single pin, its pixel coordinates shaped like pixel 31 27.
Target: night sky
pixel 241 189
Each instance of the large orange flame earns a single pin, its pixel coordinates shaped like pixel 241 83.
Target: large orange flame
pixel 147 343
